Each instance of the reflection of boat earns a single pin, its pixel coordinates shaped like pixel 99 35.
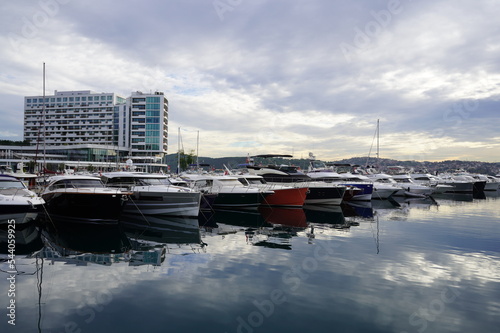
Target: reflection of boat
pixel 150 244
pixel 241 218
pixel 454 196
pixel 153 194
pixel 27 238
pixel 144 236
pixel 350 209
pixel 274 242
pixel 291 217
pixel 83 199
pixel 324 215
pixel 68 238
pixel 417 202
pixel 16 198
pixel 173 222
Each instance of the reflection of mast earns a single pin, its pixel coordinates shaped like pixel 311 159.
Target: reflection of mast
pixel 377 243
pixel 39 278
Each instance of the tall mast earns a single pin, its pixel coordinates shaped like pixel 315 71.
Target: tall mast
pixel 197 144
pixel 43 121
pixel 378 137
pixel 179 151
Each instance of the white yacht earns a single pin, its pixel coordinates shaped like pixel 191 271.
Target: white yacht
pixel 423 177
pixel 16 201
pixel 153 194
pixel 410 188
pixel 230 191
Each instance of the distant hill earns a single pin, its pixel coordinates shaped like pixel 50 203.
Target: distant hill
pixel 470 166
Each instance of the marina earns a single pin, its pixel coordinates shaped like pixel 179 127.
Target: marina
pixel 403 265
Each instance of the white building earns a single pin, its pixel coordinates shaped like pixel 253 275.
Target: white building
pixel 148 124
pixel 70 117
pixel 136 126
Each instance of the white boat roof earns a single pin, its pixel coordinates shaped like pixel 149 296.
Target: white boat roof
pixel 76 177
pixel 133 175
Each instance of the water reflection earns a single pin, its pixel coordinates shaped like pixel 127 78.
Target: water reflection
pixel 384 266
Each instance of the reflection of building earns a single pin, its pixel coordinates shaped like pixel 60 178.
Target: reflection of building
pixel 84 126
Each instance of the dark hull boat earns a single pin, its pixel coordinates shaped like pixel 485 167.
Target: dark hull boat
pixel 83 199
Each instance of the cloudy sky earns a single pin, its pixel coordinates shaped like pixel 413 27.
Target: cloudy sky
pixel 274 76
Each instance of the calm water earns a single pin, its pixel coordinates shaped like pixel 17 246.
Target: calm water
pixel 420 266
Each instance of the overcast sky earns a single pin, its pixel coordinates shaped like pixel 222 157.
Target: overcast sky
pixel 274 76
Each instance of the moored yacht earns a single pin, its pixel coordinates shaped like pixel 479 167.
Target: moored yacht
pixel 338 174
pixel 230 191
pixel 422 177
pixel 16 200
pixel 319 192
pixel 83 199
pixel 153 194
pixel 283 195
pixel 410 188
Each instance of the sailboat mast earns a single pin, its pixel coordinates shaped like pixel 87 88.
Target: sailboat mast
pixel 197 145
pixel 43 121
pixel 179 151
pixel 378 139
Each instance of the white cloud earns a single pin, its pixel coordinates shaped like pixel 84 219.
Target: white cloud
pixel 271 76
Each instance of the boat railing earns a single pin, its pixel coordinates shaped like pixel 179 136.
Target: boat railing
pixel 94 190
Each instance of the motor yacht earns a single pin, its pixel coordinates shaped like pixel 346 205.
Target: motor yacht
pixel 154 194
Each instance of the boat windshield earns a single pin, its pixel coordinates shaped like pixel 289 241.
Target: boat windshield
pixel 289 169
pixel 10 184
pixel 229 182
pixel 78 183
pixel 153 181
pixel 249 181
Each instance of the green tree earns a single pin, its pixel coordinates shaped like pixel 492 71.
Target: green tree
pixel 186 159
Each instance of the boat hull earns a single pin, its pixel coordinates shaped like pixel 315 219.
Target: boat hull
pixel 459 187
pixel 240 199
pixel 164 203
pixel 84 207
pixel 365 194
pixel 292 197
pixel 325 195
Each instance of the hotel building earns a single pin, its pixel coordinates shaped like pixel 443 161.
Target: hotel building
pixel 89 127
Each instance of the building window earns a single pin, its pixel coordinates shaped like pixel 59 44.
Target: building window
pixel 153 99
pixel 153 113
pixel 153 120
